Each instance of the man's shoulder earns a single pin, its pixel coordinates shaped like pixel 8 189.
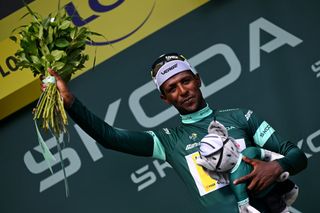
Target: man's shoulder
pixel 234 112
pixel 166 132
pixel 169 138
pixel 238 116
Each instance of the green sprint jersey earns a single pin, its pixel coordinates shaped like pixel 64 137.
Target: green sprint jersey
pixel 179 147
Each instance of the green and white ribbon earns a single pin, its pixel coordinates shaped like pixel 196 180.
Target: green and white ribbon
pixel 49 79
pixel 48 156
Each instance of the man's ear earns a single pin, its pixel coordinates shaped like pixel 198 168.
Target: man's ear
pixel 164 98
pixel 198 79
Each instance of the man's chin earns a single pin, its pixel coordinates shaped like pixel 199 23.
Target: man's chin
pixel 189 109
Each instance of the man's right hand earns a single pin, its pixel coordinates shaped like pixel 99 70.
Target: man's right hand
pixel 65 93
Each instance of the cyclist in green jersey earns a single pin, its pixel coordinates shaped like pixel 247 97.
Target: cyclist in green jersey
pixel 179 85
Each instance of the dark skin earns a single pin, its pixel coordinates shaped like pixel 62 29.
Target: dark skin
pixel 183 92
pixel 63 89
pixel 262 175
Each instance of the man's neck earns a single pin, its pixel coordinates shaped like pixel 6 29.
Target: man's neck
pixel 196 116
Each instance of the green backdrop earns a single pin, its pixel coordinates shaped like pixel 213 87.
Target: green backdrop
pixel 262 55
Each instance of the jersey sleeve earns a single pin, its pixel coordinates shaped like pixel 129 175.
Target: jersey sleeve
pixel 254 153
pixel 241 169
pixel 165 142
pixel 158 148
pixel 131 142
pixel 265 136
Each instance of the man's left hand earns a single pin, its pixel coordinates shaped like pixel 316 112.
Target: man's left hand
pixel 262 175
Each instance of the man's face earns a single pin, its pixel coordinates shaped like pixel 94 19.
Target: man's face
pixel 183 92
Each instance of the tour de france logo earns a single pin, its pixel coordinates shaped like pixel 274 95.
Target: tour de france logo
pixel 122 25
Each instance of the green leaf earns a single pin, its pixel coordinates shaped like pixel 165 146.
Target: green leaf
pixel 75 63
pixel 58 65
pixel 35 59
pixel 51 46
pixel 74 54
pixel 36 16
pixel 23 26
pixel 65 24
pixel 46 21
pixel 40 35
pixel 34 28
pixel 23 64
pixel 94 59
pixel 44 48
pixel 31 47
pixel 21 56
pixel 57 54
pixel 45 62
pixel 73 32
pixel 29 9
pixel 38 68
pixel 59 5
pixel 66 77
pixel 25 15
pixel 13 38
pixel 24 44
pixel 79 44
pixel 54 31
pixel 98 34
pixel 58 44
pixel 50 58
pixel 50 35
pixel 82 33
pixel 81 66
pixel 66 70
pixel 61 42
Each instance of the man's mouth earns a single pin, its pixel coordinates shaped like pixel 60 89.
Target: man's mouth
pixel 187 100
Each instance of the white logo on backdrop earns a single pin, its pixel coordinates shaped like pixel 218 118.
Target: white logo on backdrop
pixel 144 176
pixel 316 68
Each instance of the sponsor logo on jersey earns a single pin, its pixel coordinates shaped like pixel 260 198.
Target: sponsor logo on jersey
pixel 167 131
pixel 266 129
pixel 228 110
pixel 230 127
pixel 203 181
pixel 248 115
pixel 263 133
pixel 193 136
pixel 192 145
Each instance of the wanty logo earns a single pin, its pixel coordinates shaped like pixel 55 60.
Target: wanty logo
pixel 97 7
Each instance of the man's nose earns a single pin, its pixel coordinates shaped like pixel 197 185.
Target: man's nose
pixel 183 91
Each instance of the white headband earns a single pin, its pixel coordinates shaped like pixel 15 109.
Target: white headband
pixel 170 69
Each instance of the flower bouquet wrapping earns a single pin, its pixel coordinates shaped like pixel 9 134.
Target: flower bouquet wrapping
pixel 52 42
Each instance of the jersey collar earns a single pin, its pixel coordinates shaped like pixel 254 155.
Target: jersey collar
pixel 196 116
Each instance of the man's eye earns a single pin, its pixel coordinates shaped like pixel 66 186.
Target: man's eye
pixel 186 81
pixel 171 89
